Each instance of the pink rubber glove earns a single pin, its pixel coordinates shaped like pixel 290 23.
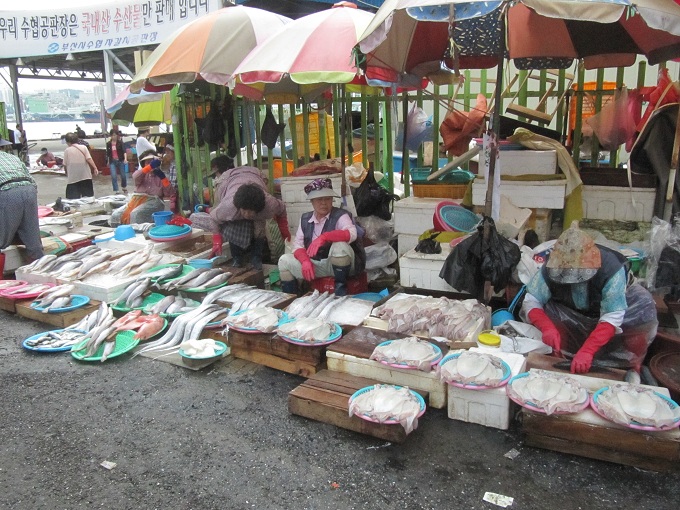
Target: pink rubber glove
pixel 583 360
pixel 307 267
pixel 282 222
pixel 334 236
pixel 216 245
pixel 550 334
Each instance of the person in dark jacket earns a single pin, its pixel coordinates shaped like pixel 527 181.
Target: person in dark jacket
pixel 326 243
pixel 117 160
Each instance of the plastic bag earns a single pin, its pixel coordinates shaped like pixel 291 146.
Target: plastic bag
pixel 379 256
pixel 429 245
pixel 377 230
pixel 371 199
pixel 271 130
pixel 474 260
pixel 662 236
pixel 614 125
pixel 419 128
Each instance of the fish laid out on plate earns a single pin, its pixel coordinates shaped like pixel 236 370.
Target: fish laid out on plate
pixel 132 297
pixel 307 329
pixel 318 305
pixel 9 284
pixel 385 403
pixel 547 392
pixel 632 404
pixel 411 352
pixel 27 289
pixel 146 326
pixel 252 299
pixel 473 368
pixel 263 319
pixel 200 278
pixel 172 305
pixel 56 339
pixel 54 298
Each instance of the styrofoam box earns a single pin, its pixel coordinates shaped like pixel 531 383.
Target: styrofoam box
pixel 293 188
pixel 421 270
pixel 416 379
pixel 511 218
pixel 15 257
pixel 21 274
pixel 524 162
pixel 616 203
pixel 532 194
pixel 413 215
pixel 406 242
pixel 492 407
pixel 295 210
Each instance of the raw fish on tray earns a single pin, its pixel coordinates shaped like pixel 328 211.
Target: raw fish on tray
pixel 626 403
pixel 388 403
pixel 311 330
pixel 473 368
pixel 548 392
pixel 410 351
pixel 263 319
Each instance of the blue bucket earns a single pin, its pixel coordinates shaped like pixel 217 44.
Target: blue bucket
pixel 161 217
pixel 507 314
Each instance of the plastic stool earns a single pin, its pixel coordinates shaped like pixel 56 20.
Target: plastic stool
pixel 356 284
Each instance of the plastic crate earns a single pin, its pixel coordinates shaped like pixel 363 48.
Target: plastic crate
pixel 588 108
pixel 439 190
pixel 355 284
pixel 313 134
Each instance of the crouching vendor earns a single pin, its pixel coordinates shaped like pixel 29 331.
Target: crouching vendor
pixel 584 306
pixel 151 187
pixel 326 243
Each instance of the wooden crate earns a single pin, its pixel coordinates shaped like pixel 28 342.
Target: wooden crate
pixel 589 435
pixel 325 396
pixel 60 320
pixel 269 350
pixel 350 355
pixel 439 190
pixel 10 305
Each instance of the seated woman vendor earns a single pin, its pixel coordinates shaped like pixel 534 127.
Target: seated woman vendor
pixel 326 243
pixel 151 187
pixel 584 305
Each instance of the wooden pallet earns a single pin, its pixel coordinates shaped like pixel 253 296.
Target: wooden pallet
pixel 325 396
pixel 10 305
pixel 351 355
pixel 60 320
pixel 269 350
pixel 589 435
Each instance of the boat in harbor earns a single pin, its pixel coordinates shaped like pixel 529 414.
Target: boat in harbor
pixel 91 116
pixel 52 117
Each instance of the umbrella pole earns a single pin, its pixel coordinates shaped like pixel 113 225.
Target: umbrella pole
pixel 668 206
pixel 493 132
pixel 342 112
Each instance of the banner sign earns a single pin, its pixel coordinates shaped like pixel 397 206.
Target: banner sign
pixel 104 25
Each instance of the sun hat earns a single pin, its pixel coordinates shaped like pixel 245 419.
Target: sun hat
pixel 169 147
pixel 148 155
pixel 575 257
pixel 319 188
pixel 4 143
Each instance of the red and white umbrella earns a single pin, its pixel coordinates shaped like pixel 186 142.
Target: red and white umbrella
pixel 305 57
pixel 208 48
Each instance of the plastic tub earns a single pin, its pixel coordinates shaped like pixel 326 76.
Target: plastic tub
pixel 162 217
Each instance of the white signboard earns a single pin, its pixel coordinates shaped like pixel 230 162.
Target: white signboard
pixel 103 25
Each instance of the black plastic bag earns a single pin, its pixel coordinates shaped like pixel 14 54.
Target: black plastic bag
pixel 371 199
pixel 476 260
pixel 214 129
pixel 429 245
pixel 271 130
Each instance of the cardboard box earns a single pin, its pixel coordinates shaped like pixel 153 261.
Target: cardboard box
pixel 616 203
pixel 492 407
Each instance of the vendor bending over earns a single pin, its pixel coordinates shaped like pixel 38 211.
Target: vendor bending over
pixel 151 187
pixel 240 215
pixel 584 307
pixel 326 243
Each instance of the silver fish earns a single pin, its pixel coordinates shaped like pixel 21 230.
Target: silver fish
pixel 217 280
pixel 201 279
pixel 176 305
pixel 190 276
pixel 109 347
pixel 60 302
pixel 140 289
pixel 163 304
pixel 166 273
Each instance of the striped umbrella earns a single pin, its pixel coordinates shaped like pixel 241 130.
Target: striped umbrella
pixel 141 109
pixel 418 36
pixel 318 53
pixel 208 48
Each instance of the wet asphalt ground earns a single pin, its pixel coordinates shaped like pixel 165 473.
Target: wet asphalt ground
pixel 222 438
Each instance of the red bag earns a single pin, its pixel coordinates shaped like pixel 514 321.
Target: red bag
pixel 614 124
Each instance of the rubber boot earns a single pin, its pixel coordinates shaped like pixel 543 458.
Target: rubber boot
pixel 237 255
pixel 257 249
pixel 341 273
pixel 290 287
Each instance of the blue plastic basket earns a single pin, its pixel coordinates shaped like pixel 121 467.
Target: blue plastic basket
pixel 459 218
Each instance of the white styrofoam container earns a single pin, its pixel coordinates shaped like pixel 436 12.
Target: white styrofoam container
pixel 421 270
pixel 492 407
pixel 524 162
pixel 532 194
pixel 406 242
pixel 293 188
pixel 15 257
pixel 416 379
pixel 511 218
pixel 21 274
pixel 616 203
pixel 413 215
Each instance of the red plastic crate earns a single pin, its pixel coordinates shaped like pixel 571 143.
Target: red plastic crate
pixel 356 284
